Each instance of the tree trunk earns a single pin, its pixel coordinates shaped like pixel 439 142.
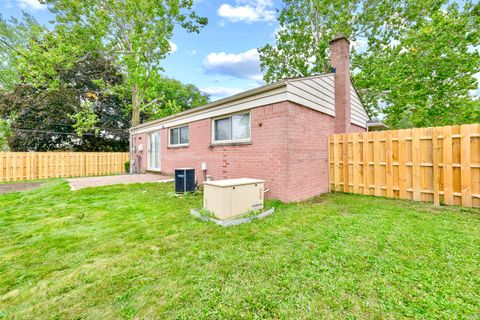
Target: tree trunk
pixel 135 106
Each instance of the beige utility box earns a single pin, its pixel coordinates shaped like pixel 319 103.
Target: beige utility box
pixel 233 197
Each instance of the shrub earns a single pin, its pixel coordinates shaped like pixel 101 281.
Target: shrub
pixel 126 165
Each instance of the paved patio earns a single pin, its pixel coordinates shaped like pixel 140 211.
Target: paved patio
pixel 87 182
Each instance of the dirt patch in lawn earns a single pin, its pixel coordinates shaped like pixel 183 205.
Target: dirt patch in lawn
pixel 15 187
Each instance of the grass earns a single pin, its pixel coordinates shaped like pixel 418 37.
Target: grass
pixel 134 251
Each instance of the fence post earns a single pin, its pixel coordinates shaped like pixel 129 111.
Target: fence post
pixel 376 163
pixel 389 158
pixel 356 165
pixel 366 165
pixel 402 169
pixel 416 164
pixel 346 182
pixel 447 166
pixel 465 157
pixel 436 169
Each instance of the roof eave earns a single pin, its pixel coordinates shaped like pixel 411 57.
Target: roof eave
pixel 235 97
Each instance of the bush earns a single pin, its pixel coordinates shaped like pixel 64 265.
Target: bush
pixel 126 165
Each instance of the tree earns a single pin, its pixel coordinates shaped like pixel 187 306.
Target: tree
pixel 169 96
pixel 5 133
pixel 135 33
pixel 390 69
pixel 428 78
pixel 14 37
pixel 51 118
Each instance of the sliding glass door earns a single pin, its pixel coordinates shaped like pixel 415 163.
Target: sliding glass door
pixel 154 151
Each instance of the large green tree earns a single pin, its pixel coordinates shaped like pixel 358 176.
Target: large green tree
pixel 168 96
pixel 14 37
pixel 413 62
pixel 43 119
pixel 135 33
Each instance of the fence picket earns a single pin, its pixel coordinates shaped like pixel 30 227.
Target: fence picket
pixel 346 181
pixel 15 166
pixel 356 165
pixel 366 182
pixel 465 168
pixel 376 163
pixel 451 176
pixel 436 169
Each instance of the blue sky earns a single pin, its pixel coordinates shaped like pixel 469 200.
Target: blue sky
pixel 222 59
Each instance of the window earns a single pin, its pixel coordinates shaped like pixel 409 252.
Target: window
pixel 153 151
pixel 232 129
pixel 179 136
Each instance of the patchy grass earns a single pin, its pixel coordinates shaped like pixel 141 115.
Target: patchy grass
pixel 134 251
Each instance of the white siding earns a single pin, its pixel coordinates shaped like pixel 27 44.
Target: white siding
pixel 314 92
pixel 359 114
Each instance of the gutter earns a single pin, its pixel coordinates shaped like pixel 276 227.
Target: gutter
pixel 235 97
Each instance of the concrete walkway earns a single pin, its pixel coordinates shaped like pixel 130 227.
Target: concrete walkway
pixel 87 182
pixel 19 186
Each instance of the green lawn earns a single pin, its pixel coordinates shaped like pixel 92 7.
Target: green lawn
pixel 135 252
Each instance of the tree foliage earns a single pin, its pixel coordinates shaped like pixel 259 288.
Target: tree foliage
pixel 14 38
pixel 135 33
pixel 169 96
pixel 413 62
pixel 5 133
pixel 67 94
pixel 47 118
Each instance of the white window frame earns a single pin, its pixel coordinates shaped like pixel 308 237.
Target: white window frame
pixel 178 144
pixel 149 165
pixel 232 141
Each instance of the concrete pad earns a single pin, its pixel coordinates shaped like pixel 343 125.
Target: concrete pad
pixel 19 186
pixel 88 182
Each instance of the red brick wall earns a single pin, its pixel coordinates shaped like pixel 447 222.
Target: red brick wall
pixel 355 128
pixel 265 158
pixel 288 150
pixel 340 60
pixel 140 157
pixel 308 152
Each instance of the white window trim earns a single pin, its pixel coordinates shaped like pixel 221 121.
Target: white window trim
pixel 179 144
pixel 232 141
pixel 149 168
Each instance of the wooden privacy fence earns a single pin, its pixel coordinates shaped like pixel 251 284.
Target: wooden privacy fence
pixel 440 164
pixel 41 165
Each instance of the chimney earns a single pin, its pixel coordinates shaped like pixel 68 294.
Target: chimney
pixel 340 61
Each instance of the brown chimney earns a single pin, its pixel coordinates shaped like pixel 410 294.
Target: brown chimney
pixel 340 60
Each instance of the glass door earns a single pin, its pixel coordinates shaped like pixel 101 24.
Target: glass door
pixel 154 151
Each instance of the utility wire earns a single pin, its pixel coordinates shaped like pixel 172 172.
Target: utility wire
pixel 53 132
pixel 69 125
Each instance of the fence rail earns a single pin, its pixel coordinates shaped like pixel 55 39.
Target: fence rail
pixel 440 164
pixel 16 166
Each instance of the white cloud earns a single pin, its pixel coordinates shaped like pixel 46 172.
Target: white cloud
pixel 248 11
pixel 244 65
pixel 221 92
pixel 31 4
pixel 173 46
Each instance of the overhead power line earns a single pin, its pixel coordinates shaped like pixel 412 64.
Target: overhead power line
pixel 67 125
pixel 54 132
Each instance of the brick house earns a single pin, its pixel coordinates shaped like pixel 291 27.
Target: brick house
pixel 277 132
